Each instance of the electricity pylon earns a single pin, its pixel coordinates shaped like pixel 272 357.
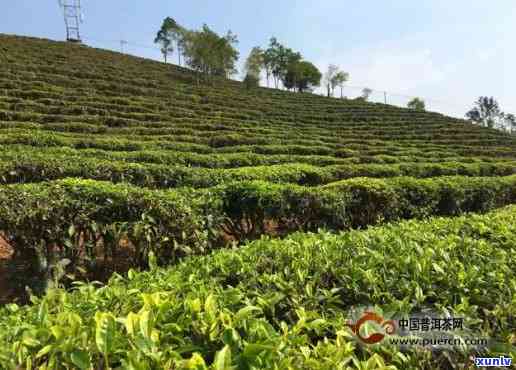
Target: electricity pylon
pixel 73 18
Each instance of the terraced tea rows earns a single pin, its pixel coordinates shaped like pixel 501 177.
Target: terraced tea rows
pixel 72 111
pixel 106 158
pixel 270 304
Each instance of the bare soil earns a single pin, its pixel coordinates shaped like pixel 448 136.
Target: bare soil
pixel 12 291
pixel 6 253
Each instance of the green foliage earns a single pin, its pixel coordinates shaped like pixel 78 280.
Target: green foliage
pixel 302 75
pixel 416 104
pixel 486 112
pixel 251 81
pixel 277 60
pixel 254 63
pixel 169 33
pixel 69 219
pixel 108 158
pixel 210 54
pixel 279 303
pixel 35 166
pixel 256 208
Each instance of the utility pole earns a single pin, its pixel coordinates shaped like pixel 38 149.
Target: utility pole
pixel 385 97
pixel 73 19
pixel 122 44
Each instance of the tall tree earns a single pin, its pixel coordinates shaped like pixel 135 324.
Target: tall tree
pixel 169 33
pixel 268 64
pixel 254 63
pixel 250 81
pixel 416 104
pixel 510 121
pixel 486 112
pixel 334 77
pixel 273 57
pixel 339 79
pixel 329 79
pixel 277 59
pixel 366 93
pixel 302 75
pixel 210 54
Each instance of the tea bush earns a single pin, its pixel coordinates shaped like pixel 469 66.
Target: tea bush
pixel 23 168
pixel 72 218
pixel 84 220
pixel 104 153
pixel 279 303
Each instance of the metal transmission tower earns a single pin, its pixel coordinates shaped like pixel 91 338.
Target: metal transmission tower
pixel 73 18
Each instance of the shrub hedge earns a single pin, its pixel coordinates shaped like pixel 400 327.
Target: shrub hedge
pixel 24 169
pixel 281 304
pixel 83 220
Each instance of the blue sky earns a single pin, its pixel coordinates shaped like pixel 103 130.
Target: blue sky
pixel 447 51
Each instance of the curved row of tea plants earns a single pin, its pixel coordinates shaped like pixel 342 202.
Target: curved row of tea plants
pixel 86 222
pixel 25 169
pixel 244 159
pixel 259 161
pixel 143 105
pixel 281 304
pixel 227 144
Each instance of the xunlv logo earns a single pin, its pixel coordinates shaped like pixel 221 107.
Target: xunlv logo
pixel 493 361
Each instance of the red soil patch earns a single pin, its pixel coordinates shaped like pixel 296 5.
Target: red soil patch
pixel 6 251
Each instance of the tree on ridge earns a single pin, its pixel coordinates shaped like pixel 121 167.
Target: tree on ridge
pixel 416 104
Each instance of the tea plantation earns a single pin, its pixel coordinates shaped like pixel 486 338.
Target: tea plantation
pixel 238 226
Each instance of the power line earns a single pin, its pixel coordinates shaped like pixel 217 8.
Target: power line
pixel 386 93
pixel 391 93
pixel 430 100
pixel 122 43
pixel 125 42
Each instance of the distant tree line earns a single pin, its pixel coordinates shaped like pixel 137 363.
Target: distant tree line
pixel 213 55
pixel 283 65
pixel 487 112
pixel 334 77
pixel 203 50
pixel 416 104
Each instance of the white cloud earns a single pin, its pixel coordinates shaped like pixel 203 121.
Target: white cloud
pixel 412 67
pixel 397 69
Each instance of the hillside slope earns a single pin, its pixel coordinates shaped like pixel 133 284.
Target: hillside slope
pixel 59 95
pixel 111 162
pixel 70 111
